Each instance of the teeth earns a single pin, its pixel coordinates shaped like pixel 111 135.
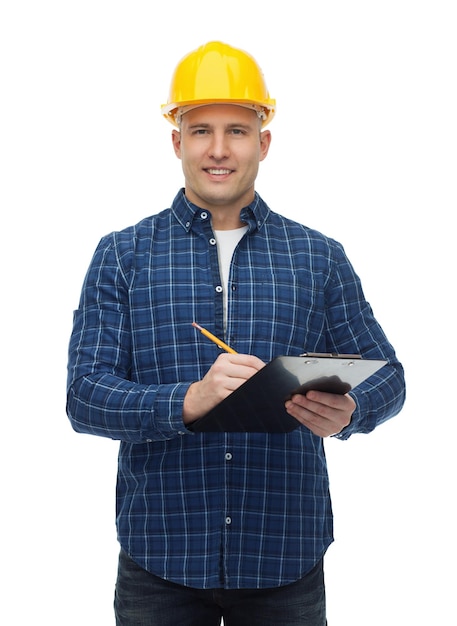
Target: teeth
pixel 218 172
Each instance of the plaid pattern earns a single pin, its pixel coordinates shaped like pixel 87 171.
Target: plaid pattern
pixel 211 510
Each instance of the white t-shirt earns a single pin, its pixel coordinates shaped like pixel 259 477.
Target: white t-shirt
pixel 227 241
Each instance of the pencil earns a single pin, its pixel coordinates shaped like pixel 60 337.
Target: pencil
pixel 213 338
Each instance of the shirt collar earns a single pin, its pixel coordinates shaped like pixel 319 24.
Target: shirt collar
pixel 255 214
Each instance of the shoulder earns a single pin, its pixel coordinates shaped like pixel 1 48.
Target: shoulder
pixel 300 236
pixel 121 248
pixel 129 237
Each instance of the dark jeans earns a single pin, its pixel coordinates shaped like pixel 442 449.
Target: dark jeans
pixel 143 599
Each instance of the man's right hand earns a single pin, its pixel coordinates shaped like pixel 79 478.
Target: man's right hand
pixel 227 373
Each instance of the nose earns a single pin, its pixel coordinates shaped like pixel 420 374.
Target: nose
pixel 219 148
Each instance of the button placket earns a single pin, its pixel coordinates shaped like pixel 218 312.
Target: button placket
pixel 228 456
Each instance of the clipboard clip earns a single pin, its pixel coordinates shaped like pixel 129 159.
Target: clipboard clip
pixel 329 355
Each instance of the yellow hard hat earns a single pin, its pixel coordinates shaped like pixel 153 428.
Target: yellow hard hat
pixel 217 73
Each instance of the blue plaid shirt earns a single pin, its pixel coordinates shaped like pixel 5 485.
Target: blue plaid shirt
pixel 206 510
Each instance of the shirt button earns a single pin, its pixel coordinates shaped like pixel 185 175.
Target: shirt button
pixel 212 241
pixel 228 456
pixel 228 520
pixel 219 289
pixel 203 215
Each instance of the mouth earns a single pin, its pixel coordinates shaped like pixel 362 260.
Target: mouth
pixel 218 171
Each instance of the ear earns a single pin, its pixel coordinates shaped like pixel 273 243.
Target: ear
pixel 265 141
pixel 176 140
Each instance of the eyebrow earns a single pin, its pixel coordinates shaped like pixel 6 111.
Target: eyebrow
pixel 227 126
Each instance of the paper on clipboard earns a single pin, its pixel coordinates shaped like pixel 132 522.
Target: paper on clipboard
pixel 258 405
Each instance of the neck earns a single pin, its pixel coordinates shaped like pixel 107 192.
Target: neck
pixel 226 220
pixel 225 216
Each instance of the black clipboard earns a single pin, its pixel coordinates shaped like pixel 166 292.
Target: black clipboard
pixel 258 404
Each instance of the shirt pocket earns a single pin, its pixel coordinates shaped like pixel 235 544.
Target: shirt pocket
pixel 285 307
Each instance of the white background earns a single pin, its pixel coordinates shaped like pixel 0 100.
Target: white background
pixel 364 149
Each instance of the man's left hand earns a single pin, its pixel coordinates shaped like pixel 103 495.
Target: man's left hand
pixel 325 414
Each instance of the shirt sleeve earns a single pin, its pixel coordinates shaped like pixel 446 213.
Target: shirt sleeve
pixel 353 329
pixel 101 398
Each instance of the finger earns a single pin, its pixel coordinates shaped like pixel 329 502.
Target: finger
pixel 245 360
pixel 340 402
pixel 236 366
pixel 321 419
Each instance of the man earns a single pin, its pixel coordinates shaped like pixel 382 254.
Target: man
pixel 220 524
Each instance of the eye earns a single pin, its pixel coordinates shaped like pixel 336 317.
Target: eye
pixel 198 130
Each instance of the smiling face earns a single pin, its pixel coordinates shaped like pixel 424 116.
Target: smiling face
pixel 220 147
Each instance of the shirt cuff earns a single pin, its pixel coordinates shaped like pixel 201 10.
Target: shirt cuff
pixel 168 406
